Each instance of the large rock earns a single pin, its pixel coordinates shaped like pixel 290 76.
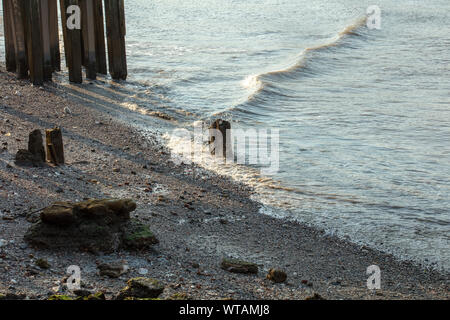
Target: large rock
pixel 141 288
pixel 95 225
pixel 239 266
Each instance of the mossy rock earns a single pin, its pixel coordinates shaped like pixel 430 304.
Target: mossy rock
pixel 42 263
pixel 94 225
pixel 179 296
pixel 60 298
pixel 141 288
pixel 96 296
pixel 141 299
pixel 112 208
pixel 138 236
pixel 239 266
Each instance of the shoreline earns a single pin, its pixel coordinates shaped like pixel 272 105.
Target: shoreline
pixel 198 216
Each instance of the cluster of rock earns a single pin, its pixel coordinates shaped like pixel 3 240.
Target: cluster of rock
pixel 136 289
pixel 94 225
pixel 240 266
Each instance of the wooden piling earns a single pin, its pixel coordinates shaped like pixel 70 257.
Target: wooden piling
pixel 45 36
pixel 221 126
pixel 72 44
pixel 115 33
pixel 100 47
pixel 17 17
pixel 32 38
pixel 54 35
pixel 88 36
pixel 34 41
pixel 10 50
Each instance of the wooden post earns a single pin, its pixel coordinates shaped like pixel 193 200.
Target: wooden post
pixel 45 27
pixel 10 50
pixel 115 33
pixel 72 44
pixel 88 35
pixel 100 47
pixel 223 127
pixel 54 35
pixel 34 41
pixel 17 17
pixel 55 146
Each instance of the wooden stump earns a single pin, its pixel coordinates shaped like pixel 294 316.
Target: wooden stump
pixel 55 147
pixel 36 145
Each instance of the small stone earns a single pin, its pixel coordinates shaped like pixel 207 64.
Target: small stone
pixel 3 243
pixel 316 296
pixel 277 276
pixel 42 263
pixel 143 271
pixel 112 270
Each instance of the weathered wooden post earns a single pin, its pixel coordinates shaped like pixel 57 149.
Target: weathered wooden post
pixel 54 35
pixel 34 41
pixel 10 50
pixel 88 37
pixel 55 147
pixel 100 47
pixel 72 43
pixel 17 19
pixel 45 31
pixel 115 33
pixel 218 132
pixel 32 38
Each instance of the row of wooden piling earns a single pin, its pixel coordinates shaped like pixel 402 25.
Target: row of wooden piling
pixel 31 33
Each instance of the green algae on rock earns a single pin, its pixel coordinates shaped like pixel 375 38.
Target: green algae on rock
pixel 141 288
pixel 42 263
pixel 138 236
pixel 59 298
